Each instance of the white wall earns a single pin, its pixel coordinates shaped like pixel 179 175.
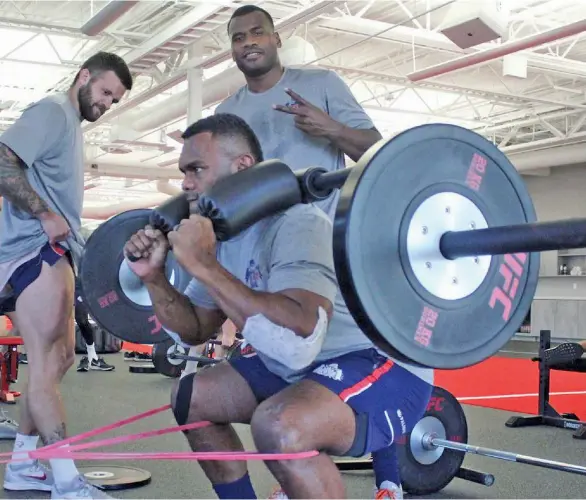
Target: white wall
pixel 561 195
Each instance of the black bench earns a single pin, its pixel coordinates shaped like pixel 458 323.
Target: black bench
pixel 548 415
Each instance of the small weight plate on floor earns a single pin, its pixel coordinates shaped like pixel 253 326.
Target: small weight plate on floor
pixel 163 363
pixel 423 471
pixel 142 369
pixel 117 299
pixel 114 477
pixel 394 206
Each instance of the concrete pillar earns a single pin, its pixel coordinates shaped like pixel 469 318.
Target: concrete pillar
pixel 194 84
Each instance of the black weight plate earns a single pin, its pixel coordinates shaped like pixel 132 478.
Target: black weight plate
pixel 101 290
pixel 142 369
pixel 424 479
pixel 114 477
pixel 161 361
pixel 385 298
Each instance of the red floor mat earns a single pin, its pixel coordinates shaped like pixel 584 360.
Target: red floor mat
pixel 512 384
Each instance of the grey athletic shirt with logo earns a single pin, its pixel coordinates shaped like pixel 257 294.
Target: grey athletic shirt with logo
pixel 48 139
pixel 288 251
pixel 281 139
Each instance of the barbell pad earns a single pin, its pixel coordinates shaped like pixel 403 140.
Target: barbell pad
pixel 170 213
pixel 238 201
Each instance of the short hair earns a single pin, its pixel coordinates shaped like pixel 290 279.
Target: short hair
pixel 249 9
pixel 106 61
pixel 227 126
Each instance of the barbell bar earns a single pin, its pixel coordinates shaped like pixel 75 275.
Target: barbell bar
pixel 429 441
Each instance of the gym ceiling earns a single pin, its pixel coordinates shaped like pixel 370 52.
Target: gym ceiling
pixel 408 62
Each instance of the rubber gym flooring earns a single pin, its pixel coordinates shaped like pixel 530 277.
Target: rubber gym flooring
pixel 94 399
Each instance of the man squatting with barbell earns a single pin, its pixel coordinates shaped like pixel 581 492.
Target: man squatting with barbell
pixel 308 378
pixel 317 113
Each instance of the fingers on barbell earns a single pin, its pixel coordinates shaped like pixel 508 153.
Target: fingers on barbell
pixel 140 244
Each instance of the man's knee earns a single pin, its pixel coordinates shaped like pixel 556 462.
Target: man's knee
pixel 278 428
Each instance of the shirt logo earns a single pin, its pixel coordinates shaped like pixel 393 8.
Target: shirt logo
pixel 253 275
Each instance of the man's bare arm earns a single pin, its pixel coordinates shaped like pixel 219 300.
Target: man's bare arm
pixel 174 310
pixel 15 187
pixel 293 309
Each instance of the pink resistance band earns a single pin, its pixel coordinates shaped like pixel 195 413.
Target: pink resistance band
pixel 56 451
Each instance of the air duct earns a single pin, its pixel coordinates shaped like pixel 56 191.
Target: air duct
pixel 500 51
pixel 113 11
pixel 549 157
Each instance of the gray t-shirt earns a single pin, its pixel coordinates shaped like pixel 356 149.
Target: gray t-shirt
pixel 281 139
pixel 48 139
pixel 288 250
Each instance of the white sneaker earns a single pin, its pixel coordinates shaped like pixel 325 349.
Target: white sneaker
pixel 388 489
pixel 24 476
pixel 78 488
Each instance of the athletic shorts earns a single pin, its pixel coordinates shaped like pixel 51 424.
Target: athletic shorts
pixel 387 399
pixel 30 270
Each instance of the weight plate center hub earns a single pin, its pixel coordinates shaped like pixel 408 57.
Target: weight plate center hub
pixel 421 446
pixel 444 278
pixel 172 351
pixel 133 287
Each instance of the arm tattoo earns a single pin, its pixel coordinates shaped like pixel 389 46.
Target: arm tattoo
pixel 15 187
pixel 56 435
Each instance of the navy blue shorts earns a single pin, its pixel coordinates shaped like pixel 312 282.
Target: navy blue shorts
pixel 387 399
pixel 29 271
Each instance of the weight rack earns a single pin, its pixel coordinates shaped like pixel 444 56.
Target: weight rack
pixel 548 415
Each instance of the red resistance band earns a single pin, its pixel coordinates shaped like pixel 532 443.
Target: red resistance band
pixel 56 450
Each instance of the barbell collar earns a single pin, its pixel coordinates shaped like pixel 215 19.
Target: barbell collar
pixel 508 456
pixel 331 180
pixel 307 182
pixel 520 238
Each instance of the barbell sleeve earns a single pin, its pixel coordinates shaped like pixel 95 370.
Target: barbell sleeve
pixel 520 238
pixel 332 180
pixel 505 455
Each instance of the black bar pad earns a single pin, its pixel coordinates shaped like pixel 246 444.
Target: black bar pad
pixel 238 201
pixel 170 213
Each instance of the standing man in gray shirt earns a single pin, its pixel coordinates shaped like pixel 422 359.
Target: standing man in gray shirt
pixel 41 183
pixel 304 117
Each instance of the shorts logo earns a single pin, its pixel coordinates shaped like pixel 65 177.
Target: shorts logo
pixel 253 276
pixel 402 420
pixel 331 371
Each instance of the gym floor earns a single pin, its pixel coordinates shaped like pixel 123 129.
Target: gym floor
pixel 94 399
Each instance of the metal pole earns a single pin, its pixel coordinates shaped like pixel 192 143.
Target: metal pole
pixel 505 455
pixel 537 237
pixel 332 180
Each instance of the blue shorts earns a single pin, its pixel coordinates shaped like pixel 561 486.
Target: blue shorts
pixel 29 271
pixel 387 399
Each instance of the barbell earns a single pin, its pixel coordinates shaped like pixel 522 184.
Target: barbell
pixel 435 244
pixel 431 455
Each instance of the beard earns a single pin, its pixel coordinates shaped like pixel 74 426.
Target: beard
pixel 87 109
